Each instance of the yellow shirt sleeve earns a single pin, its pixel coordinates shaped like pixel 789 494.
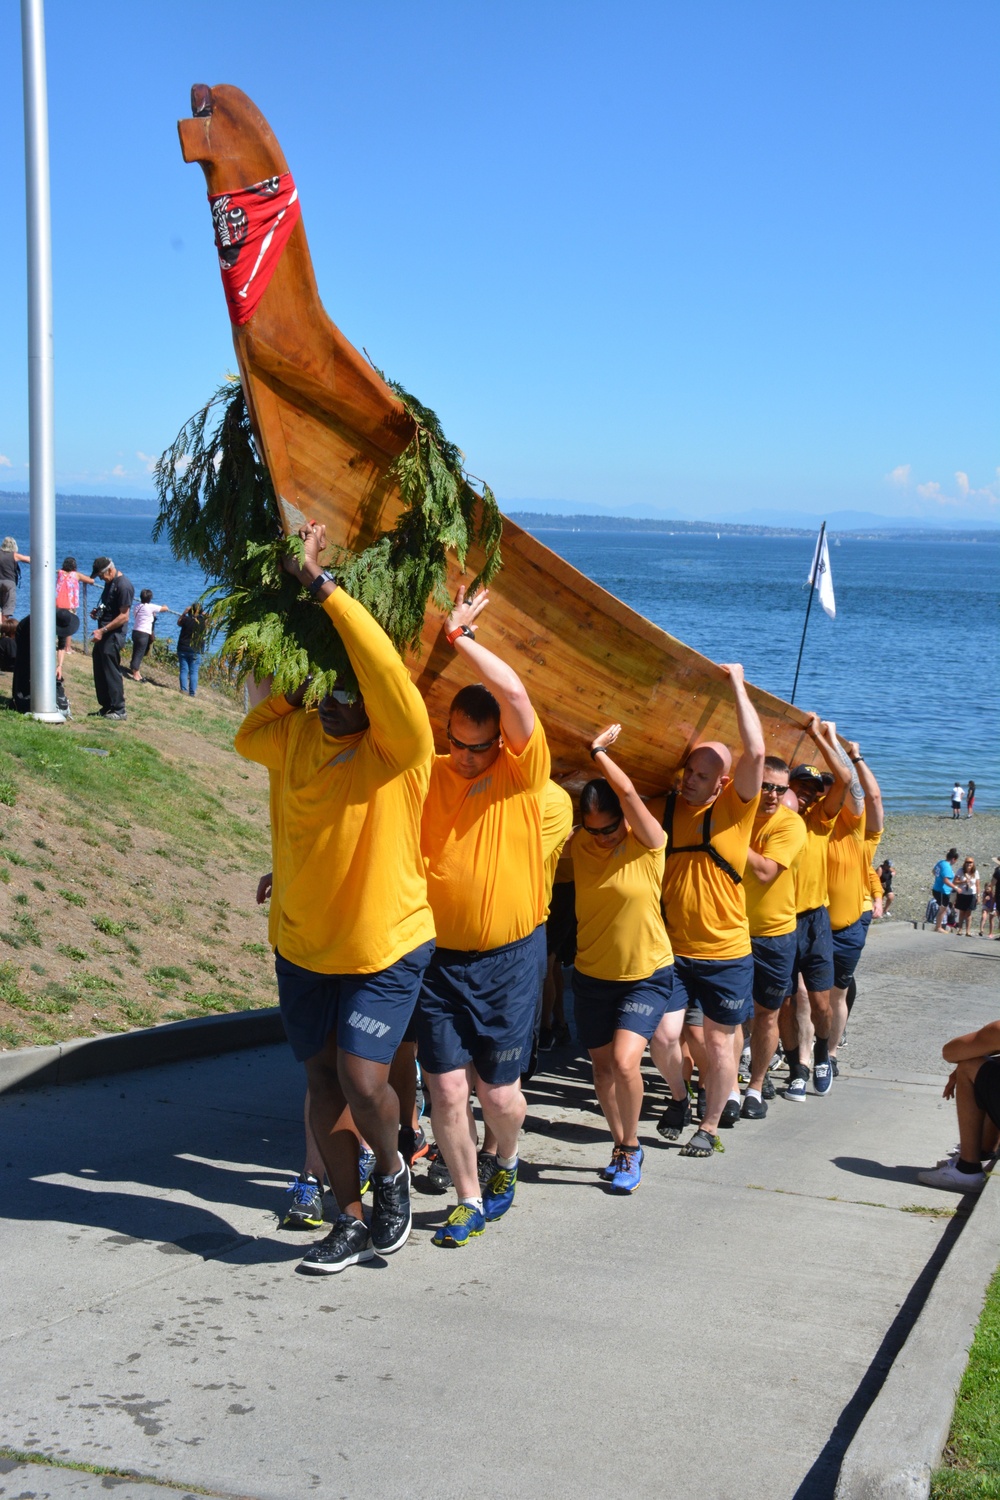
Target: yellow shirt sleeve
pixel 400 728
pixel 263 735
pixel 557 825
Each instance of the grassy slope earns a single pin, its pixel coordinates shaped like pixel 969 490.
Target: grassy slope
pixel 127 880
pixel 973 1452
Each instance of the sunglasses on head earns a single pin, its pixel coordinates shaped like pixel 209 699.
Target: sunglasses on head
pixel 473 749
pixel 772 786
pixel 608 828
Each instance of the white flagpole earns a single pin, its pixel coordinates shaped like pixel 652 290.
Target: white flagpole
pixel 812 590
pixel 40 369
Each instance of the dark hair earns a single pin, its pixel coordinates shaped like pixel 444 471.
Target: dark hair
pixel 145 596
pixel 193 609
pixel 476 703
pixel 775 763
pixel 599 796
pixel 8 627
pixel 952 854
pixel 69 564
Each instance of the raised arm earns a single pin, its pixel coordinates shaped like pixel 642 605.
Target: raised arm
pixel 517 717
pixel 838 764
pixel 874 812
pixel 646 828
pixel 749 770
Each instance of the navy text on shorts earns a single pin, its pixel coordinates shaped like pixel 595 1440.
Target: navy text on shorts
pixel 814 950
pixel 847 947
pixel 773 965
pixel 603 1006
pixel 722 987
pixel 368 1012
pixel 479 1008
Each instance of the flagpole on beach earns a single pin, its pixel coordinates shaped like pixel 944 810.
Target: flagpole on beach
pixel 41 441
pixel 812 590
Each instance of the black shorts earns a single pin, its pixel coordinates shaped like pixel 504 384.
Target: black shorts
pixel 965 901
pixel 560 926
pixel 987 1088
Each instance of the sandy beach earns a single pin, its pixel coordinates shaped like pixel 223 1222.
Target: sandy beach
pixel 916 841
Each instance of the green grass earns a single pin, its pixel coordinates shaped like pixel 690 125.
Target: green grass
pixel 76 954
pixel 10 1037
pixel 974 1444
pixel 10 990
pixel 8 792
pixel 260 949
pixel 73 897
pixel 168 971
pixel 109 926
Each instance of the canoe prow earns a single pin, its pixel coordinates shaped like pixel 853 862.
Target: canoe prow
pixel 330 429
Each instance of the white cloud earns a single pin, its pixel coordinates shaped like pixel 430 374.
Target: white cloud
pixel 931 491
pixel 966 495
pixel 900 475
pixel 5 462
pixel 182 464
pixel 118 472
pixel 148 459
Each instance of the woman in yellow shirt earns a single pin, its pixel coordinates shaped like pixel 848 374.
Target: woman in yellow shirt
pixel 623 982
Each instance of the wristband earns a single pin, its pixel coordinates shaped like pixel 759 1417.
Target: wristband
pixel 856 760
pixel 597 750
pixel 312 589
pixel 451 636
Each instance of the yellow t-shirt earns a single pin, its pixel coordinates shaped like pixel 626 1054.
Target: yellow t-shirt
pixel 845 868
pixel 349 877
pixel 875 892
pixel 811 888
pixel 705 910
pixel 482 846
pixel 620 931
pixel 557 825
pixel 771 908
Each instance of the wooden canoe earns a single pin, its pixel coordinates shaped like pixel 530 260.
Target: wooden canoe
pixel 329 429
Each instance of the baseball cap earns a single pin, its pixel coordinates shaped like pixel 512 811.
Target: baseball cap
pixel 100 563
pixel 807 773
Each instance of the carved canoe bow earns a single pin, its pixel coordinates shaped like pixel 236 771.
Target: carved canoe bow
pixel 330 429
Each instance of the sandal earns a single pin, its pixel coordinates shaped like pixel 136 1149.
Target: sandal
pixel 674 1118
pixel 702 1143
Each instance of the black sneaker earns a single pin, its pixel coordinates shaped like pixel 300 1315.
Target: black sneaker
pixel 561 1035
pixel 674 1118
pixel 391 1217
pixel 753 1109
pixel 347 1243
pixel 546 1039
pixel 730 1114
pixel 438 1177
pixel 115 713
pixel 702 1104
pixel 833 1065
pixel 767 1088
pixel 486 1167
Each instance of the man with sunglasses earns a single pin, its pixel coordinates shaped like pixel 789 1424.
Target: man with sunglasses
pixel 482 844
pixel 708 824
pixel 777 840
pixel 354 928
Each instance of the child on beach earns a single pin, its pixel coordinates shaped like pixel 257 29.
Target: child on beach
pixel 989 911
pixel 143 625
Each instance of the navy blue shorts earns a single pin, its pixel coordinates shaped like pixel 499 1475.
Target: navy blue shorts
pixel 866 921
pixel 814 950
pixel 848 944
pixel 722 988
pixel 479 1008
pixel 773 966
pixel 603 1006
pixel 368 1012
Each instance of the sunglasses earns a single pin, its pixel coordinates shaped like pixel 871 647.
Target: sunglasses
pixel 473 749
pixel 600 833
pixel 772 786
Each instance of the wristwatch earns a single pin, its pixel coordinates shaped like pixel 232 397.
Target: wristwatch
pixel 312 589
pixel 451 636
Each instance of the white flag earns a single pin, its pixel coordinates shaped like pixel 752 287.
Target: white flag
pixel 820 571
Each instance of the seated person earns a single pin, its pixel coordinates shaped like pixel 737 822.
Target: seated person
pixel 974 1084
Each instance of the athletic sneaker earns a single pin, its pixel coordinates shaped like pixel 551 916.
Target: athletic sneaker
pixel 843 1039
pixel 115 713
pixel 546 1039
pixel 391 1217
pixel 459 1227
pixel 303 1204
pixel 743 1071
pixel 674 1118
pixel 796 1089
pixel 629 1172
pixel 499 1194
pixel 438 1177
pixel 412 1144
pixel 822 1077
pixel 767 1088
pixel 833 1065
pixel 347 1243
pixel 486 1166
pixel 753 1109
pixel 366 1166
pixel 702 1104
pixel 954 1181
pixel 606 1173
pixel 730 1114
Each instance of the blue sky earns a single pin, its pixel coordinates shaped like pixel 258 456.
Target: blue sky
pixel 689 259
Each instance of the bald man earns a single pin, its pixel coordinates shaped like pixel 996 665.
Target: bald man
pixel 708 826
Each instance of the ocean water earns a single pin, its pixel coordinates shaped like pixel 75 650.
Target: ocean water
pixel 907 668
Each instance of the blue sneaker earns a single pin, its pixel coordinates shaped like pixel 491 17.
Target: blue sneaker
pixel 303 1204
pixel 606 1173
pixel 629 1173
pixel 366 1166
pixel 462 1223
pixel 822 1077
pixel 499 1192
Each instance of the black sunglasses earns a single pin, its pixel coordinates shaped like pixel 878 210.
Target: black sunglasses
pixel 598 833
pixel 474 749
pixel 772 786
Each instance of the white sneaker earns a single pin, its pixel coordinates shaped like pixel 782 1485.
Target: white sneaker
pixel 952 1180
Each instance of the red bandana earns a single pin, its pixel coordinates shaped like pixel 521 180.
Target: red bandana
pixel 251 230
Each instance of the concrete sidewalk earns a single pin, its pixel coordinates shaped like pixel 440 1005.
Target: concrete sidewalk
pixel 707 1334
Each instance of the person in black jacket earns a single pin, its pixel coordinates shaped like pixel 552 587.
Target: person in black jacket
pixel 112 616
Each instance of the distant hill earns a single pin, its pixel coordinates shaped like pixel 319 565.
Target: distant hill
pixel 91 505
pixel 760 520
pixel 543 521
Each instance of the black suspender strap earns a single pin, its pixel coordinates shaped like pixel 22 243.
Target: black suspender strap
pixel 705 847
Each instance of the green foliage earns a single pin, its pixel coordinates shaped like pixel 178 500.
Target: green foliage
pixel 11 992
pixel 76 954
pixel 218 508
pixel 73 897
pixel 8 791
pixel 109 926
pixel 168 971
pixel 973 1451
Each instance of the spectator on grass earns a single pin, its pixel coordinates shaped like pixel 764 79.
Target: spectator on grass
pixel 974 1085
pixel 190 639
pixel 143 627
pixel 10 575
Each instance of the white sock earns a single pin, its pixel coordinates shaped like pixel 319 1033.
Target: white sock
pixel 735 1095
pixel 755 1094
pixel 476 1203
pixel 507 1162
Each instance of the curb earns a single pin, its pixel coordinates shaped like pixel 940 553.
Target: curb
pixel 902 1437
pixel 89 1057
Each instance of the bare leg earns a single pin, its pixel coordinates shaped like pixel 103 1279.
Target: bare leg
pixel 694 1041
pixel 763 1044
pixel 604 1088
pixel 503 1110
pixel 838 1017
pixel 788 1029
pixel 667 1054
pixel 333 1129
pixel 721 1070
pixel 314 1163
pixel 455 1129
pixel 375 1107
pixel 971 1118
pixel 403 1078
pixel 626 1060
